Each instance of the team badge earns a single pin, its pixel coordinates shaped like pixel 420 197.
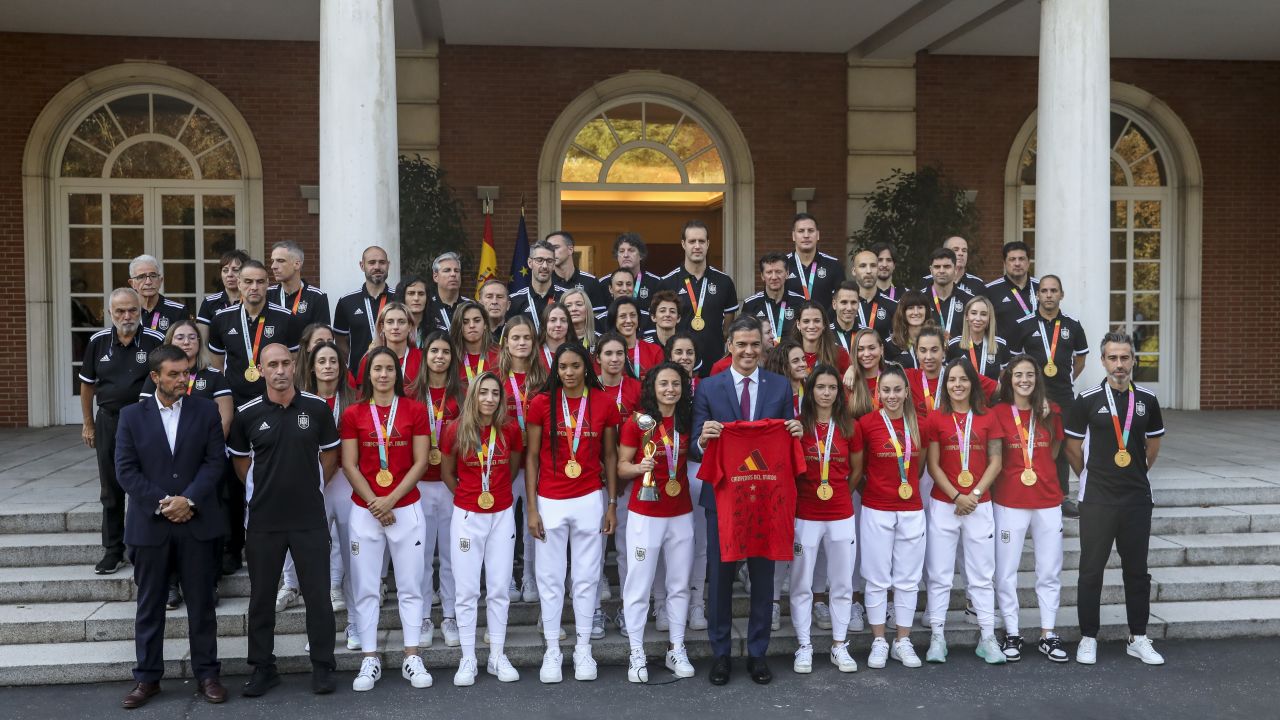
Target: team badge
pixel 269 331
pixel 1066 334
pixel 640 554
pixel 141 356
pixel 644 292
pixel 302 306
pixel 791 313
pixel 304 421
pixel 711 288
pixel 1004 536
pixel 880 314
pixel 464 544
pixel 355 548
pixel 822 272
pixel 201 384
pixel 164 323
pixel 797 548
pixel 1140 408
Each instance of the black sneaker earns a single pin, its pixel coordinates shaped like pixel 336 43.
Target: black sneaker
pixel 1012 648
pixel 262 680
pixel 322 680
pixel 1051 647
pixel 110 564
pixel 175 598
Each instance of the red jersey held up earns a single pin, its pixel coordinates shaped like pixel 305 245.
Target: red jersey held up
pixel 357 424
pixel 508 441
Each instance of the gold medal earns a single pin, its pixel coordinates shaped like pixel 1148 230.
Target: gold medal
pixel 825 492
pixel 905 491
pixel 1050 369
pixel 964 479
pixel 434 457
pixel 698 323
pixel 672 487
pixel 251 374
pixel 1028 477
pixel 486 500
pixel 1123 458
pixel 384 478
pixel 572 469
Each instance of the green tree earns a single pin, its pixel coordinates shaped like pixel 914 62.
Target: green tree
pixel 431 218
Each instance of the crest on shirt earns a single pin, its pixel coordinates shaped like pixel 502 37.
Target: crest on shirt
pixel 791 313
pixel 644 292
pixel 201 384
pixel 1004 536
pixel 302 306
pixel 141 356
pixel 711 288
pixel 304 421
pixel 355 548
pixel 822 272
pixel 640 553
pixel 1140 408
pixel 880 314
pixel 797 548
pixel 1066 334
pixel 464 544
pixel 164 323
pixel 269 331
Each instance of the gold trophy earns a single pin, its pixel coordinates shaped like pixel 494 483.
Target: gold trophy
pixel 648 490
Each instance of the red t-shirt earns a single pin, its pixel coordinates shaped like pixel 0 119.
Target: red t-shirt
pixel 601 413
pixel 722 364
pixel 881 462
pixel 840 506
pixel 447 410
pixel 665 506
pixel 410 366
pixel 753 467
pixel 625 395
pixel 508 441
pixel 924 403
pixel 471 362
pixel 520 394
pixel 873 387
pixel 356 424
pixel 650 355
pixel 842 360
pixel 1009 490
pixel 940 428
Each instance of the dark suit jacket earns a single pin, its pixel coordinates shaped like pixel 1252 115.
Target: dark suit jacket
pixel 717 399
pixel 148 471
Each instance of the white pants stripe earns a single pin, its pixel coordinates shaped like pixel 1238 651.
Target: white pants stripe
pixel 892 557
pixel 369 541
pixel 698 578
pixel 437 514
pixel 482 541
pixel 571 525
pixel 1046 534
pixel 648 540
pixel 946 533
pixel 838 541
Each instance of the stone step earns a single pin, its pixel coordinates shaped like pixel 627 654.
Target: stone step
pixel 46 517
pixel 52 548
pixel 1201 489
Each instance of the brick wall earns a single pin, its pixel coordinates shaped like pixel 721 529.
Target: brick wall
pixel 970 108
pixel 273 84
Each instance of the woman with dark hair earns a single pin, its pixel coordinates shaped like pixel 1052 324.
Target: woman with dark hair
pixel 611 358
pixel 472 343
pixel 810 332
pixel 1029 498
pixel 788 360
pixel 661 523
pixel 624 318
pixel 572 431
pixel 912 315
pixel 927 387
pixel 395 330
pixel 416 297
pixel 523 376
pixel 313 335
pixel 824 514
pixel 664 311
pixel 482 450
pixel 964 459
pixel 557 329
pixel 384 453
pixel 868 350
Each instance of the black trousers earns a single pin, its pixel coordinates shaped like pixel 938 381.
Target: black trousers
pixel 720 577
pixel 1128 528
pixel 111 495
pixel 265 553
pixel 196 564
pixel 233 501
pixel 1064 468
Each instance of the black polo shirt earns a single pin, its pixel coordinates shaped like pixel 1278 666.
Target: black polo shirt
pixel 598 293
pixel 232 336
pixel 210 385
pixel 970 283
pixel 285 483
pixel 824 273
pixel 844 338
pixel 117 371
pixel 439 314
pixel 988 363
pixel 526 301
pixel 894 292
pixel 951 319
pixel 1011 304
pixel 165 313
pixel 876 314
pixel 643 289
pixel 212 304
pixel 356 316
pixel 1089 419
pixel 307 306
pixel 1035 332
pixel 905 358
pixel 782 314
pixel 719 298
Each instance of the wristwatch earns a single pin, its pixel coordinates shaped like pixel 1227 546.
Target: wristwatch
pixel 977 492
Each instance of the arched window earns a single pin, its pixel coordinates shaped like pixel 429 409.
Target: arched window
pixel 643 143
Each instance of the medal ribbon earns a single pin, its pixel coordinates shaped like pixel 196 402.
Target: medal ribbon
pixel 982 369
pixel 842 338
pixel 1028 435
pixel 155 317
pixel 1122 437
pixel 1050 352
pixel 670 448
pixel 383 432
pixel 546 353
pixel 964 441
pixel 191 380
pixel 782 315
pixel 517 393
pixel 824 449
pixel 904 456
pixel 635 354
pixel 370 317
pixel 257 338
pixel 466 363
pixel 486 459
pixel 930 400
pixel 807 284
pixel 435 416
pixel 702 294
pixel 576 427
pixel 944 320
pixel 863 318
pixel 284 302
pixel 1016 296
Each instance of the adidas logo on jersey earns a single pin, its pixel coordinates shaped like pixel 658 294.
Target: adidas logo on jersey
pixel 232 331
pixel 105 358
pixel 1103 411
pixel 264 426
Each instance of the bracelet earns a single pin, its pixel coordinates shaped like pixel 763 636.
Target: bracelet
pixel 613 501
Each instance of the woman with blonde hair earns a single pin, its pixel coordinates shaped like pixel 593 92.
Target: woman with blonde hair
pixel 578 303
pixel 978 341
pixel 395 329
pixel 523 377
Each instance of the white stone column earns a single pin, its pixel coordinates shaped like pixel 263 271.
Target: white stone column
pixel 359 183
pixel 1073 185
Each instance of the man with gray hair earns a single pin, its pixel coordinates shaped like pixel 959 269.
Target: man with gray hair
pixel 446 273
pixel 158 312
pixel 114 369
pixel 306 303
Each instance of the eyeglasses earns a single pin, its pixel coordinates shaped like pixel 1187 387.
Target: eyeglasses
pixel 541 260
pixel 147 277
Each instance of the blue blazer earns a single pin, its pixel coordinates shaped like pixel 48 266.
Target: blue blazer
pixel 148 471
pixel 716 399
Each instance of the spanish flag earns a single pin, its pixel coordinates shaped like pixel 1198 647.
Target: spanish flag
pixel 488 256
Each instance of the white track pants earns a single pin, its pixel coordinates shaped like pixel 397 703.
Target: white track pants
pixel 838 541
pixel 698 578
pixel 947 531
pixel 437 514
pixel 1046 534
pixel 570 525
pixel 648 540
pixel 482 541
pixel 892 557
pixel 369 541
pixel 857 533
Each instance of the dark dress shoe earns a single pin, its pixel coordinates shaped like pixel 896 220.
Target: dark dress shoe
pixel 262 680
pixel 140 694
pixel 175 598
pixel 212 691
pixel 720 670
pixel 759 670
pixel 322 680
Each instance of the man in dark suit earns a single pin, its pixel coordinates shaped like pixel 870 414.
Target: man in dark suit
pixel 169 461
pixel 745 392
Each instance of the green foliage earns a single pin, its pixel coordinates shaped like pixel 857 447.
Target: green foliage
pixel 915 212
pixel 431 218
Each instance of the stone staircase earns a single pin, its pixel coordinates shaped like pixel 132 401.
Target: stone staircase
pixel 1215 566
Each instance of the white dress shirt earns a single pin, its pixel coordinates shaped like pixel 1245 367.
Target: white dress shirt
pixel 755 389
pixel 169 417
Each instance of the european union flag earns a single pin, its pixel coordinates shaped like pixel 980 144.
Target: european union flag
pixel 520 258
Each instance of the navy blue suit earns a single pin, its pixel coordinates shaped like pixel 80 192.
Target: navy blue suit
pixel 148 471
pixel 717 399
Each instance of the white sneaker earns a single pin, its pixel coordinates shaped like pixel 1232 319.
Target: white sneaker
pixel 660 620
pixel 903 652
pixel 745 578
pixel 678 662
pixel 486 636
pixel 597 625
pixel 879 653
pixel 286 598
pixel 841 658
pixel 416 673
pixel 528 592
pixel 970 615
pixel 501 668
pixel 584 666
pixel 1140 647
pixel 822 616
pixel 937 652
pixel 466 674
pixel 1087 651
pixel 370 673
pixel 353 642
pixel 890 621
pixel 335 598
pixel 637 667
pixel 776 623
pixel 551 662
pixel 804 660
pixel 606 593
pixel 988 649
pixel 513 590
pixel 428 633
pixel 697 618
pixel 857 618
pixel 449 629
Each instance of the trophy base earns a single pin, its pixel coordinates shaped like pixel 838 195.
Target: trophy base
pixel 648 493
